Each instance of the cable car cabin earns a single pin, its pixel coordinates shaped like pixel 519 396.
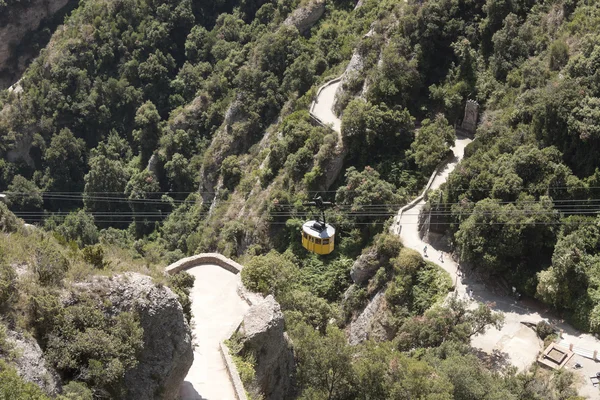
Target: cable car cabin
pixel 318 237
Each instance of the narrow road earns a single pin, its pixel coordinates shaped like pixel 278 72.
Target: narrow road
pixel 323 107
pixel 216 308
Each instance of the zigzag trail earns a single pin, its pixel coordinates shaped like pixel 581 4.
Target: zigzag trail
pixel 515 342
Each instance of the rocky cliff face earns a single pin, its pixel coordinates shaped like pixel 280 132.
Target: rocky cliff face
pixel 371 323
pixel 167 354
pixel 305 17
pixel 262 332
pixel 16 23
pixel 31 365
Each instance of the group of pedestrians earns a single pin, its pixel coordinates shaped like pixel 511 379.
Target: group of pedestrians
pixel 459 272
pixel 440 258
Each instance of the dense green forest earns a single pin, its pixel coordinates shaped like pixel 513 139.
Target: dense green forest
pixel 151 130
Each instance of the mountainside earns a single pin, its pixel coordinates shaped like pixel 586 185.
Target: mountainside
pixel 155 129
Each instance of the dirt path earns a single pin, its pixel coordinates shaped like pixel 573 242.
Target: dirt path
pixel 216 308
pixel 515 343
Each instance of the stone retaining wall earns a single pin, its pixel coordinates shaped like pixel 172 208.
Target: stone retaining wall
pixel 204 258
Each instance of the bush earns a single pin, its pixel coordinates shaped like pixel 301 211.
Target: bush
pixel 8 283
pixel 230 169
pixel 559 54
pixel 271 273
pixel 50 265
pixel 12 386
pixel 544 329
pixel 89 345
pixel 408 262
pixel 8 221
pixel 95 256
pixel 181 283
pixel 76 391
pixel 79 227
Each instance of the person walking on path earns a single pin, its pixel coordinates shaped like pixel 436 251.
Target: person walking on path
pixel 425 251
pixel 441 259
pixel 471 293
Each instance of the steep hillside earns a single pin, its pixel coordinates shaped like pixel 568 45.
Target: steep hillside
pixel 179 127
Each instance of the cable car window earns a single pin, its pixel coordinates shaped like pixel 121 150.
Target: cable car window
pixel 318 241
pixel 325 241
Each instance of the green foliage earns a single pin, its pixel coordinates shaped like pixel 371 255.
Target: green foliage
pixel 269 274
pixel 363 189
pixel 95 256
pixel 76 391
pixel 84 343
pixel 544 329
pixel 50 264
pixel 432 143
pixel 8 284
pixel 8 221
pixel 24 195
pixel 12 386
pixel 559 55
pixel 453 321
pixel 79 227
pixel 64 161
pixel 181 283
pixel 498 236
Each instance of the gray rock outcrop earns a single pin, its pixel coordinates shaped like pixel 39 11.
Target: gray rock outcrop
pixel 167 354
pixel 365 267
pixel 371 323
pixel 305 17
pixel 262 333
pixel 31 365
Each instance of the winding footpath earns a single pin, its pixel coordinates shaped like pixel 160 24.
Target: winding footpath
pixel 514 343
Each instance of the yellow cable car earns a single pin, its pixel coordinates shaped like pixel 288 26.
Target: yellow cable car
pixel 318 236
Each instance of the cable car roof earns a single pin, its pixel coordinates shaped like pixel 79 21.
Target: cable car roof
pixel 324 234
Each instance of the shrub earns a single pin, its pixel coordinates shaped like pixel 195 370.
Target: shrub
pixel 544 329
pixel 271 273
pixel 79 227
pixel 76 391
pixel 8 221
pixel 12 386
pixel 230 169
pixel 95 256
pixel 8 283
pixel 50 265
pixel 408 261
pixel 181 283
pixel 559 54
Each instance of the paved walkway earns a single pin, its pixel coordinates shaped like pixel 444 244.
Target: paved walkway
pixel 323 107
pixel 515 343
pixel 216 308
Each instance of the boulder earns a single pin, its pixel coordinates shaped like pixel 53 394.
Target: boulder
pixel 30 363
pixel 167 354
pixel 365 267
pixel 262 333
pixel 305 17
